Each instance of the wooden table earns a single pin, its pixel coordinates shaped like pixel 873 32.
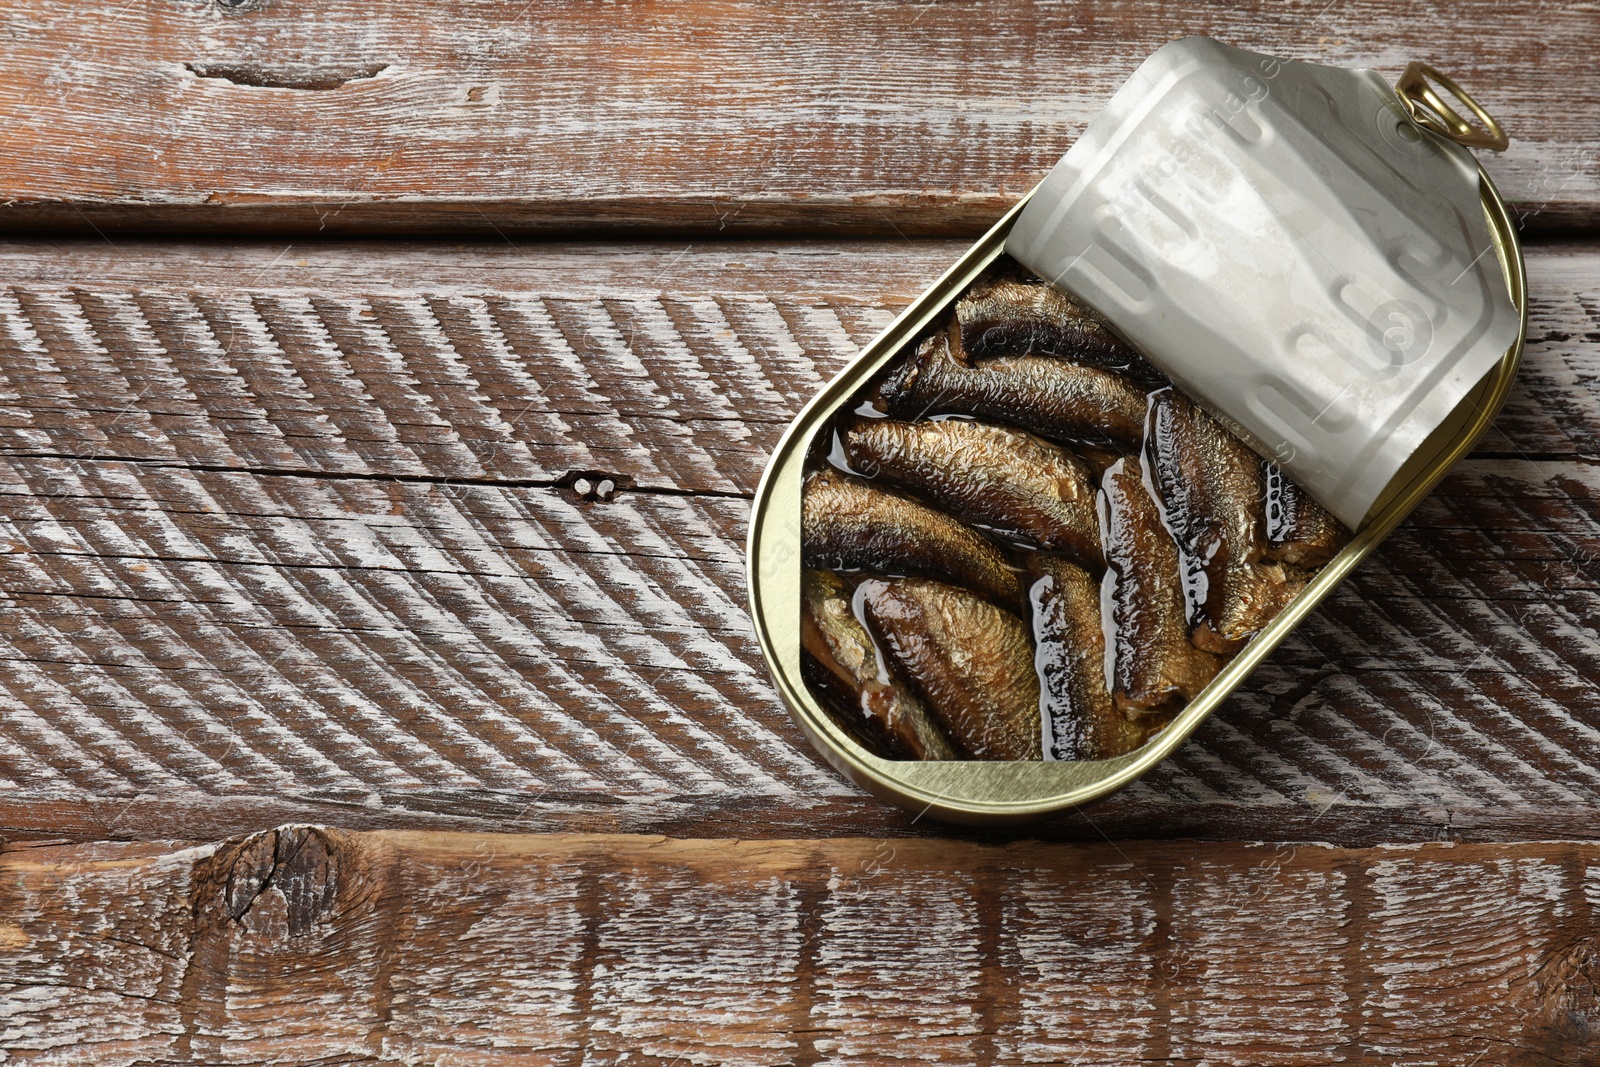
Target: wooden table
pixel 337 725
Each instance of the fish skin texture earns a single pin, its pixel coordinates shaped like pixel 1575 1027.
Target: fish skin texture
pixel 1156 668
pixel 848 524
pixel 1008 315
pixel 844 664
pixel 1052 397
pixel 1299 530
pixel 1020 486
pixel 968 659
pixel 1081 721
pixel 1211 485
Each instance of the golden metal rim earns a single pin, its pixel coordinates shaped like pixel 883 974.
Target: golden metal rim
pixel 997 793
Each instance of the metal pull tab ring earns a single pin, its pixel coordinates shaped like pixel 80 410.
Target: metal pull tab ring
pixel 1428 110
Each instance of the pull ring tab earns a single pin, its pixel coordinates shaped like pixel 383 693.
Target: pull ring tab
pixel 1428 110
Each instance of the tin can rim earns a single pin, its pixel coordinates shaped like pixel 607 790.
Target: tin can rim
pixel 987 793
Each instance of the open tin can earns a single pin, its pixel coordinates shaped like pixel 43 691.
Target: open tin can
pixel 992 792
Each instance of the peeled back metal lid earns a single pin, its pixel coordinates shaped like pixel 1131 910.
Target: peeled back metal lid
pixel 1294 246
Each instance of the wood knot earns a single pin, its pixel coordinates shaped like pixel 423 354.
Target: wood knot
pixel 282 881
pixel 1569 990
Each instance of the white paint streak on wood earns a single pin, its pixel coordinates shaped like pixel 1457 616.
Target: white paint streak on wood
pixel 673 945
pixel 887 999
pixel 686 435
pixel 841 114
pixel 18 764
pixel 170 566
pixel 140 721
pixel 652 330
pixel 47 726
pixel 407 717
pixel 361 543
pixel 1233 1010
pixel 694 587
pixel 236 430
pixel 705 653
pixel 533 595
pixel 341 396
pixel 417 947
pixel 532 924
pixel 461 398
pixel 561 370
pixel 1491 949
pixel 1084 990
pixel 744 337
pixel 375 361
pixel 278 386
pixel 825 327
pixel 461 613
pixel 192 621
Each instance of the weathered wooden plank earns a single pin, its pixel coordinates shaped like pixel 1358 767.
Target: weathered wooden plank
pixel 291 551
pixel 309 944
pixel 666 366
pixel 476 637
pixel 847 116
pixel 627 364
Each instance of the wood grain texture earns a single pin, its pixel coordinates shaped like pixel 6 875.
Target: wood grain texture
pixel 291 533
pixel 305 944
pixel 534 115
